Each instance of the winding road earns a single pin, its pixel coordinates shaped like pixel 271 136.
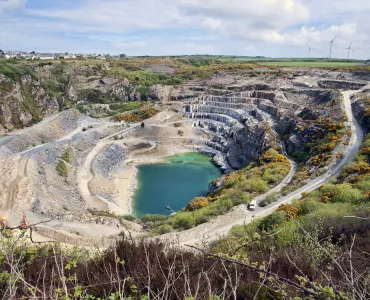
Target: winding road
pixel 354 145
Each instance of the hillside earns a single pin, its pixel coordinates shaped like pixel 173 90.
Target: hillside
pixel 290 138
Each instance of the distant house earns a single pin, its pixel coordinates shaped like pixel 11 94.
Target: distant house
pixel 47 58
pixel 69 56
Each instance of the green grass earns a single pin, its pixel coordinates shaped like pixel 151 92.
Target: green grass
pixel 145 78
pixel 311 63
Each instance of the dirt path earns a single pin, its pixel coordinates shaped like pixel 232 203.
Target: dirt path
pixel 12 190
pixel 198 234
pixel 85 174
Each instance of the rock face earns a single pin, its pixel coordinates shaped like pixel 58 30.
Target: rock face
pixel 341 84
pixel 361 108
pixel 24 103
pixel 250 143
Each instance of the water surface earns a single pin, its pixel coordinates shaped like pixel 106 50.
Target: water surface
pixel 175 183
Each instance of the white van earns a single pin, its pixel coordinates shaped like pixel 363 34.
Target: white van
pixel 252 205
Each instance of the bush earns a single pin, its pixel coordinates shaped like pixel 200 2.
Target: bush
pixel 364 184
pixel 197 203
pixel 272 221
pixel 201 218
pixel 341 193
pixel 130 218
pixel 256 185
pixel 309 205
pixel 162 229
pixel 122 107
pixel 67 156
pixel 242 198
pixel 137 116
pixel 346 193
pixel 154 218
pixel 300 156
pixel 270 198
pixel 184 221
pixel 61 168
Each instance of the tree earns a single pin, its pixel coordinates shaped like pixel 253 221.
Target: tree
pixel 122 56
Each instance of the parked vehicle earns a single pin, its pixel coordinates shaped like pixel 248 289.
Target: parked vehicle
pixel 252 206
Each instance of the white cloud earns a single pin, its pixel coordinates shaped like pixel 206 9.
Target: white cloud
pixel 275 27
pixel 11 4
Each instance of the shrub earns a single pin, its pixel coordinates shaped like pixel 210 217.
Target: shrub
pixel 272 221
pixel 122 107
pixel 201 218
pixel 154 218
pixel 364 184
pixel 270 198
pixel 184 221
pixel 256 185
pixel 67 156
pixel 291 211
pixel 300 156
pixel 241 198
pixel 197 203
pixel 61 168
pixel 130 218
pixel 223 206
pixel 310 205
pixel 137 116
pixel 162 229
pixel 346 193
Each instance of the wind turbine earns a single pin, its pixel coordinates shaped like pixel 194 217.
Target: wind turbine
pixel 309 51
pixel 331 46
pixel 349 49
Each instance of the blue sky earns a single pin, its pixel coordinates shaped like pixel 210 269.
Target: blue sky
pixel 275 28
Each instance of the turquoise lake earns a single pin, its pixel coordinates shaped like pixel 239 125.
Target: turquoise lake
pixel 175 183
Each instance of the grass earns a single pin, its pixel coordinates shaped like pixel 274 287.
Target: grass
pixel 311 64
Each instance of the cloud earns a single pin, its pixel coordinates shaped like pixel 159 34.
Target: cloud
pixel 275 27
pixel 11 4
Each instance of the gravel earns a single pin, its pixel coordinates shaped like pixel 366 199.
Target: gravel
pixel 61 126
pixel 108 160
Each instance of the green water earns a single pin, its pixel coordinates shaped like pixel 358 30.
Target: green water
pixel 175 183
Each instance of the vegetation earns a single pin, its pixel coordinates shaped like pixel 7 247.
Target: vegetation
pixel 67 156
pixel 61 168
pixel 320 150
pixel 238 188
pixel 144 78
pixel 65 159
pixel 127 106
pixel 137 116
pixel 322 235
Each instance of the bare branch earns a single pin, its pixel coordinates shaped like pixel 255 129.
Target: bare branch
pixel 283 279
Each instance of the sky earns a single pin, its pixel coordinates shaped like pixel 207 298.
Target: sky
pixel 271 28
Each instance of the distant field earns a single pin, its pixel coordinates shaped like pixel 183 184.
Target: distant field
pixel 311 63
pixel 289 62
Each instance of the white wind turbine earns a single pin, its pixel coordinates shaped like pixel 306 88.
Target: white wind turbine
pixel 331 46
pixel 309 51
pixel 349 49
